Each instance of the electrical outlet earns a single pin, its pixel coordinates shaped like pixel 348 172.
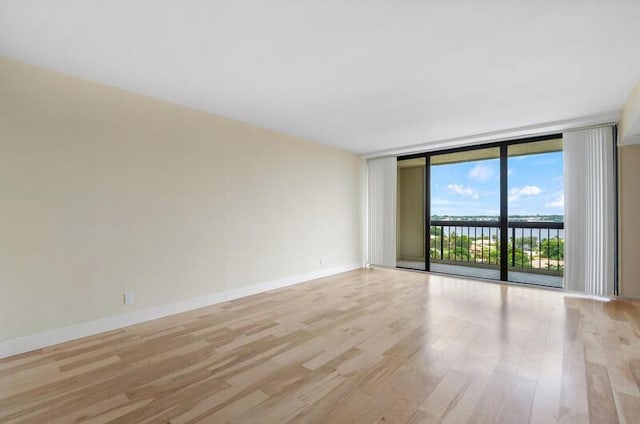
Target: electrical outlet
pixel 321 261
pixel 128 298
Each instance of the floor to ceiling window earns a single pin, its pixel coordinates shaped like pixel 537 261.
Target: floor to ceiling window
pixel 536 218
pixel 492 211
pixel 465 212
pixel 410 213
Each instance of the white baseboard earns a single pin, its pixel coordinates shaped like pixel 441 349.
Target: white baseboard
pixel 73 332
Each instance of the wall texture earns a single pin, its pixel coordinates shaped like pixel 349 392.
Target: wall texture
pixel 102 192
pixel 629 224
pixel 411 219
pixel 629 126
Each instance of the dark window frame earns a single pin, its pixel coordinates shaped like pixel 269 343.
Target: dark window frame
pixel 504 207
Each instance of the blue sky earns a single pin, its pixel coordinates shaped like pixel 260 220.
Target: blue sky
pixel 473 188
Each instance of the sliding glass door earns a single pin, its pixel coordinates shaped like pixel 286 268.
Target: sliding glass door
pixel 464 236
pixel 492 211
pixel 410 213
pixel 536 212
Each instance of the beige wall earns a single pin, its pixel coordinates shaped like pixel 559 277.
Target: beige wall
pixel 629 224
pixel 629 127
pixel 102 192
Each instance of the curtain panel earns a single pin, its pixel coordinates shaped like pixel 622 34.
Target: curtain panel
pixel 589 190
pixel 381 204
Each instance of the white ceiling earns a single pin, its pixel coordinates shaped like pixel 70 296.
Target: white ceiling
pixel 364 75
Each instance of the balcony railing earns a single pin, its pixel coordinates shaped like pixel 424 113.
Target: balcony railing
pixel 536 247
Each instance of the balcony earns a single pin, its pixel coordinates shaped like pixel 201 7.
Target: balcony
pixel 472 248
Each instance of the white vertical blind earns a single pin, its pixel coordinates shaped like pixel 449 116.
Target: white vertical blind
pixel 589 210
pixel 381 202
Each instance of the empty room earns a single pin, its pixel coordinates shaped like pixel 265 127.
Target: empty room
pixel 319 212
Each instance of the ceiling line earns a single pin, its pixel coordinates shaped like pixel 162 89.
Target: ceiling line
pixel 502 135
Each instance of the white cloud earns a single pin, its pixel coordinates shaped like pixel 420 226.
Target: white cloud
pixel 463 191
pixel 518 192
pixel 530 190
pixel 558 203
pixel 447 202
pixel 481 173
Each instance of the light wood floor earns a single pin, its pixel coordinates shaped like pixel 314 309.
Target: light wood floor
pixel 376 346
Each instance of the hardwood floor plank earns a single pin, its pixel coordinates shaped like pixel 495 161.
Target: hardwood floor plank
pixel 366 346
pixel 602 407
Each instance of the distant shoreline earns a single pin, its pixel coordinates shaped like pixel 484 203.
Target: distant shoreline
pixel 524 218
